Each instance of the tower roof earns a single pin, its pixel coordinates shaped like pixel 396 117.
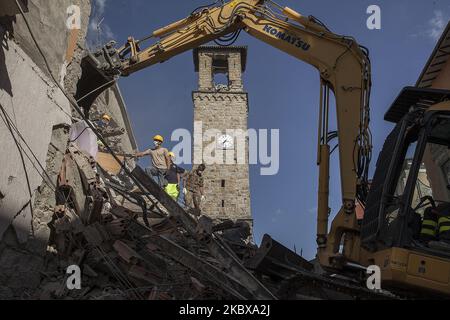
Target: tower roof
pixel 217 49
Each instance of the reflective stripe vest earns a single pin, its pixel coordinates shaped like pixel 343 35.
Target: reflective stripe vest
pixel 444 225
pixel 429 227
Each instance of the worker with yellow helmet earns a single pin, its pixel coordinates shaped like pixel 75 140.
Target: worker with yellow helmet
pixel 160 161
pixel 173 177
pixel 102 125
pixel 103 122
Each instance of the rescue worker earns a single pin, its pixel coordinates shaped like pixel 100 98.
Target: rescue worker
pixel 160 161
pixel 436 224
pixel 193 190
pixel 102 125
pixel 104 121
pixel 429 226
pixel 173 178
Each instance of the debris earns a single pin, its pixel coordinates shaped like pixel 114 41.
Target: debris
pixel 108 163
pixel 142 274
pixel 146 246
pixel 126 253
pixel 275 260
pixel 167 255
pixel 198 285
pixel 95 234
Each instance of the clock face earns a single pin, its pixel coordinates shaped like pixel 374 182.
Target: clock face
pixel 225 142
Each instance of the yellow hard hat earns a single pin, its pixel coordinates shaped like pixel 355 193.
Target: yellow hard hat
pixel 158 138
pixel 171 154
pixel 106 117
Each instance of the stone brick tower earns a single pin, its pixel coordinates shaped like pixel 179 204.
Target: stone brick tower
pixel 223 106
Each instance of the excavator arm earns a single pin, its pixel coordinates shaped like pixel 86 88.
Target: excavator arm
pixel 344 69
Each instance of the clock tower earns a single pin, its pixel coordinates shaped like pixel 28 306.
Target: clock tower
pixel 221 106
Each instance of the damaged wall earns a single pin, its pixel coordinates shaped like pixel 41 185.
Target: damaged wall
pixel 48 21
pixel 40 116
pixel 34 115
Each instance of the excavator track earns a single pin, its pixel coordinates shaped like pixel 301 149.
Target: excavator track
pixel 327 288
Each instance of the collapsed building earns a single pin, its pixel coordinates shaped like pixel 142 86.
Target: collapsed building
pixel 36 121
pixel 37 125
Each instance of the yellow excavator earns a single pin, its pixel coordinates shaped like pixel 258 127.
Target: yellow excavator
pixel 388 236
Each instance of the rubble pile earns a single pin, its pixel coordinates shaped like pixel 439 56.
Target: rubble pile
pixel 132 241
pixel 134 245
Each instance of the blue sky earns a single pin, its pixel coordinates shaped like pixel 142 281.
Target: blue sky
pixel 283 93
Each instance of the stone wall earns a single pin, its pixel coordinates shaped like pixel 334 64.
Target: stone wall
pixel 224 107
pixel 225 111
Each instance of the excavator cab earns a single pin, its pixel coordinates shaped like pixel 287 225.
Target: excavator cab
pixel 413 173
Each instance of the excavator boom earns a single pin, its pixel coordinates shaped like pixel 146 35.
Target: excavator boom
pixel 344 68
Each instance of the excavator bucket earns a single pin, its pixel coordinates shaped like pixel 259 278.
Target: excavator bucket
pixel 100 71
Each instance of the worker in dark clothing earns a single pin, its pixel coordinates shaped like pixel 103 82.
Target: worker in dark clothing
pixel 193 190
pixel 429 226
pixel 173 178
pixel 436 224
